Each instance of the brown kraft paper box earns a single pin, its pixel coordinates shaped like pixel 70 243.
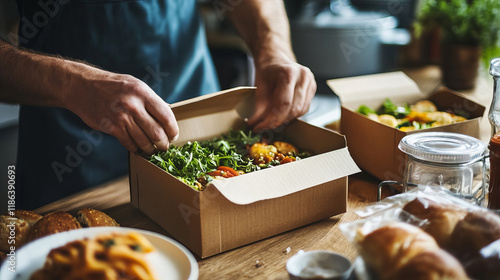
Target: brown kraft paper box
pixel 237 211
pixel 373 145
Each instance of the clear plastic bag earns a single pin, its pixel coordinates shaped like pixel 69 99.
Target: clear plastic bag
pixel 452 222
pixel 436 194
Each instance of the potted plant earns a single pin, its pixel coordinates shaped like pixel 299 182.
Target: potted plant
pixel 470 29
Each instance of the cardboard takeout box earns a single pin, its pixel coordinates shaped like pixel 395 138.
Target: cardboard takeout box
pixel 236 211
pixel 373 145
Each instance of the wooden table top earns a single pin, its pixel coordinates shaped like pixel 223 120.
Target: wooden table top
pixel 114 199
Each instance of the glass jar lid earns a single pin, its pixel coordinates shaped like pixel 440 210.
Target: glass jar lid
pixel 442 147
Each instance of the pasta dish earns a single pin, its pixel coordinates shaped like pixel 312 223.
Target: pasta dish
pixel 109 256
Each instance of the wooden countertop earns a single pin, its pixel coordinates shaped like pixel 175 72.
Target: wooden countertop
pixel 240 263
pixel 113 198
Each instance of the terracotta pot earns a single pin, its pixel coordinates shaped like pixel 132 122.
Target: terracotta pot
pixel 460 65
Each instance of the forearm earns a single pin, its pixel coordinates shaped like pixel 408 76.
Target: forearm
pixel 284 87
pixel 120 105
pixel 34 79
pixel 264 26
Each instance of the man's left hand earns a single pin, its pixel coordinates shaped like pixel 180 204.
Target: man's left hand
pixel 284 92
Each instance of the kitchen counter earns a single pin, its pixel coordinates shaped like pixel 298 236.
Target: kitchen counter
pixel 271 253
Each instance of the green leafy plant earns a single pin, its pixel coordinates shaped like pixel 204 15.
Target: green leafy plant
pixel 464 22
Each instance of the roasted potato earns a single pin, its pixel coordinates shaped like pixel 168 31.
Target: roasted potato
pixel 285 148
pixel 262 153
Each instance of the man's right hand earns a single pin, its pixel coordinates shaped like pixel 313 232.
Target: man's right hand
pixel 126 108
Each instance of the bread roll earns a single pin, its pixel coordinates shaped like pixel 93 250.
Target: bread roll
pixel 54 222
pixel 23 222
pixel 441 218
pixel 484 268
pixel 95 218
pixel 403 251
pixel 477 230
pixel 431 265
pixel 388 248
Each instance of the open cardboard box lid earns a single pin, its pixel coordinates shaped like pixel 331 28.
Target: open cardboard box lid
pixel 371 89
pixel 210 116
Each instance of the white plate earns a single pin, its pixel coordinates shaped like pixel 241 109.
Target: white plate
pixel 170 260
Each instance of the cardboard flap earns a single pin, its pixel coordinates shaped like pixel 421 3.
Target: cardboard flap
pixel 394 85
pixel 287 179
pixel 241 99
pixel 447 99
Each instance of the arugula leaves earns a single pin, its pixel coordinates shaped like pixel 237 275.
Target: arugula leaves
pixel 365 110
pixel 195 159
pixel 387 108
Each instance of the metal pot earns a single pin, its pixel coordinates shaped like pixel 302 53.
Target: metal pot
pixel 338 41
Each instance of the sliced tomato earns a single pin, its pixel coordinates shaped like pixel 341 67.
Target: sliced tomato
pixel 286 160
pixel 228 170
pixel 215 173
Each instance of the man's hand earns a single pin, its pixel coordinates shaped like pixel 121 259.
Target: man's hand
pixel 284 91
pixel 284 88
pixel 125 108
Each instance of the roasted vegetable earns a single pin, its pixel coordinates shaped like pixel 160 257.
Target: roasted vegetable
pixel 262 153
pixel 285 148
pixel 423 114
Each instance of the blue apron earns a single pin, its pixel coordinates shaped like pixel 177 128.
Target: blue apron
pixel 161 42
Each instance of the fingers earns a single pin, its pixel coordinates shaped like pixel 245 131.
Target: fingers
pixel 310 92
pixel 149 132
pixel 261 103
pixel 141 133
pixel 155 125
pixel 161 112
pixel 129 110
pixel 139 137
pixel 289 99
pixel 278 108
pixel 127 141
pixel 140 129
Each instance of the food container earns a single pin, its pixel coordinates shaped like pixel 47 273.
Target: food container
pixel 449 160
pixel 373 145
pixel 236 211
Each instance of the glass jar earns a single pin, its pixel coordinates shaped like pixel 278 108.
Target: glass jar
pixel 449 160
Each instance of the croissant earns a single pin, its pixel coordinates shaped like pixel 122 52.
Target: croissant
pixel 441 218
pixel 402 249
pixel 477 230
pixel 431 265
